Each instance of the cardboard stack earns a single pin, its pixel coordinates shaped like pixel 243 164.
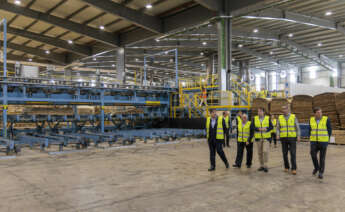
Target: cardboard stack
pixel 257 103
pixel 276 106
pixel 340 106
pixel 326 102
pixel 302 107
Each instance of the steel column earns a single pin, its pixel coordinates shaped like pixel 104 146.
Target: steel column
pixel 4 87
pixel 102 111
pixel 224 53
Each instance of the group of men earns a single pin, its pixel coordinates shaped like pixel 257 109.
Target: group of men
pixel 263 129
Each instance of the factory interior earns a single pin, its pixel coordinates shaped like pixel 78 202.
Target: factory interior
pixel 122 105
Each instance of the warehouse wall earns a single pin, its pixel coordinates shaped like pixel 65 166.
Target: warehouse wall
pixel 322 78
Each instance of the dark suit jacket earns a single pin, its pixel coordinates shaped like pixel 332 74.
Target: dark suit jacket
pixel 213 131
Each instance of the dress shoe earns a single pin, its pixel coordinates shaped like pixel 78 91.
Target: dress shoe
pixel 236 166
pixel 294 172
pixel 286 170
pixel 227 165
pixel 314 171
pixel 211 169
pixel 261 169
pixel 266 170
pixel 320 176
pixel 249 166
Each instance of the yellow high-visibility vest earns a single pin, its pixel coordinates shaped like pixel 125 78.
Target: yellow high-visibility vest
pixel 287 129
pixel 264 124
pixel 319 131
pixel 239 120
pixel 220 131
pixel 262 94
pixel 274 122
pixel 243 132
pixel 227 122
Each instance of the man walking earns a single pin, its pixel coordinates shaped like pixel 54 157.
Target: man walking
pixel 244 140
pixel 215 128
pixel 320 131
pixel 262 127
pixel 274 131
pixel 288 132
pixel 227 132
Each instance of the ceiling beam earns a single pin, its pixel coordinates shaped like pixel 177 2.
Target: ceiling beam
pixel 75 48
pixel 57 58
pixel 101 36
pixel 283 15
pixel 138 18
pixel 213 5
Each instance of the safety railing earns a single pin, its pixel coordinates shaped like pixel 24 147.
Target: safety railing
pixel 209 81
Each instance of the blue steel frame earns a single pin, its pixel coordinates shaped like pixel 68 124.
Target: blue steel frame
pixel 3 23
pixel 161 53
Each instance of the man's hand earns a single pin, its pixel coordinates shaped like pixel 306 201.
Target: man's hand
pixel 298 139
pixel 247 143
pixel 278 137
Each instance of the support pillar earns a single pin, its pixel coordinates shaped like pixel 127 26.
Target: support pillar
pixel 299 75
pixel 102 111
pixel 339 75
pixel 4 87
pixel 120 65
pixel 224 53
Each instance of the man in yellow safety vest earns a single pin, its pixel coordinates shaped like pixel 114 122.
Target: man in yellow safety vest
pixel 244 140
pixel 215 128
pixel 274 131
pixel 227 132
pixel 319 133
pixel 262 127
pixel 288 132
pixel 263 93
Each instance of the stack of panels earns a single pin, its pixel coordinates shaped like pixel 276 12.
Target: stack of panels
pixel 326 102
pixel 277 104
pixel 339 136
pixel 340 106
pixel 302 106
pixel 259 103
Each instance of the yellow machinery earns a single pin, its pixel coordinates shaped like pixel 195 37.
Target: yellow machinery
pixel 192 101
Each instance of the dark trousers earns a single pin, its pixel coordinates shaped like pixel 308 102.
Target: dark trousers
pixel 227 138
pixel 274 138
pixel 240 150
pixel 216 145
pixel 315 147
pixel 287 146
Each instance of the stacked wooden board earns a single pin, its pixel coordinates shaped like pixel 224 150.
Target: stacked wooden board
pixel 48 110
pixel 339 136
pixel 340 106
pixel 277 104
pixel 259 103
pixel 302 106
pixel 326 102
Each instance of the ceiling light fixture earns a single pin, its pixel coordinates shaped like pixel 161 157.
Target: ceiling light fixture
pixel 328 13
pixel 30 60
pixel 70 41
pixel 240 45
pixel 148 6
pixel 255 30
pixel 204 43
pixel 202 53
pixel 94 59
pixel 319 44
pixel 101 27
pixel 271 52
pixel 17 2
pixel 47 52
pixel 290 35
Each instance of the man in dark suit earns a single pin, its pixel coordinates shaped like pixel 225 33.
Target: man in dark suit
pixel 215 128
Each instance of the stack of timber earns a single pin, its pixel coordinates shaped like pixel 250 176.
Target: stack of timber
pixel 339 136
pixel 48 110
pixel 302 106
pixel 340 106
pixel 277 104
pixel 86 110
pixel 326 102
pixel 259 103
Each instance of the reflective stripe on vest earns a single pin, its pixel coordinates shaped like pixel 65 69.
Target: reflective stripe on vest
pixel 264 124
pixel 287 130
pixel 319 131
pixel 243 132
pixel 220 132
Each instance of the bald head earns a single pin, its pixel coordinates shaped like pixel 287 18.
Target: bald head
pixel 286 109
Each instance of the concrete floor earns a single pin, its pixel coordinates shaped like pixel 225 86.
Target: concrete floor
pixel 170 177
